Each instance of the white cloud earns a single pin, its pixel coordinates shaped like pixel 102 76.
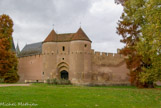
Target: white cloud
pixel 102 6
pixel 33 20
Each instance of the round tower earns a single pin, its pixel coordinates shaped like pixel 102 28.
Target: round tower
pixel 49 51
pixel 80 58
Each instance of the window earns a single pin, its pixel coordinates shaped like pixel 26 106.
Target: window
pixel 62 58
pixel 42 73
pixel 85 45
pixel 63 48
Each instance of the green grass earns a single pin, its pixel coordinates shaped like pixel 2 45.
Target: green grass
pixel 52 96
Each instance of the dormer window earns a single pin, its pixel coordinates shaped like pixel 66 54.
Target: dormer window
pixel 63 48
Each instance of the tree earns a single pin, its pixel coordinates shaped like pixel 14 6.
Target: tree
pixel 8 59
pixel 144 67
pixel 149 45
pixel 120 2
pixel 128 28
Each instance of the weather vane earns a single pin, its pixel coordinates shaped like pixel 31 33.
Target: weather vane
pixel 53 26
pixel 80 23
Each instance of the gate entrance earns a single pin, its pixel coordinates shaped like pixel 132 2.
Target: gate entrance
pixel 64 74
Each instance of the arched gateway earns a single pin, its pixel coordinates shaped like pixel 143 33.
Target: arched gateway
pixel 63 69
pixel 64 74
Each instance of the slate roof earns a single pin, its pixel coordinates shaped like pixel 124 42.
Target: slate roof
pixel 31 49
pixel 79 35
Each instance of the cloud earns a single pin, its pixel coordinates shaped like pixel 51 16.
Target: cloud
pixel 34 19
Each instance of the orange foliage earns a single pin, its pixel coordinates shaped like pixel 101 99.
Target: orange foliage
pixel 8 60
pixel 130 36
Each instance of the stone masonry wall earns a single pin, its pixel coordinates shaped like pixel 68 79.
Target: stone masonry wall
pixel 30 68
pixel 109 69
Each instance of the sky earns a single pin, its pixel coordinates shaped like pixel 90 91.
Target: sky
pixel 34 19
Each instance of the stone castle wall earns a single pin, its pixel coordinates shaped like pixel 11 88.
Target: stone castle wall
pixel 85 66
pixel 107 59
pixel 98 68
pixel 109 68
pixel 30 68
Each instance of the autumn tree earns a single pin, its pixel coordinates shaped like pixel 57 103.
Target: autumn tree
pixel 149 45
pixel 133 27
pixel 8 59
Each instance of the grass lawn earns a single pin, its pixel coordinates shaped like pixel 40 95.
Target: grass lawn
pixel 52 96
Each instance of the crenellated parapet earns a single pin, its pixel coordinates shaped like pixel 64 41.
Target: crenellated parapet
pixel 107 59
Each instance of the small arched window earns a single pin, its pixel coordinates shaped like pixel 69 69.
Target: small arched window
pixel 63 48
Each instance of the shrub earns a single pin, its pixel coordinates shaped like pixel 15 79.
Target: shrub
pixel 1 80
pixel 48 81
pixel 58 81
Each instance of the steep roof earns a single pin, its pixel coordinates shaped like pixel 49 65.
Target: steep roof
pixel 79 35
pixel 36 48
pixel 65 37
pixel 17 49
pixel 51 37
pixel 31 49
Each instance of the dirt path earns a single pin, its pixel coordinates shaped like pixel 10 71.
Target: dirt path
pixel 7 85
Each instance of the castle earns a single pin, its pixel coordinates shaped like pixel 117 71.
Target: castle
pixel 69 56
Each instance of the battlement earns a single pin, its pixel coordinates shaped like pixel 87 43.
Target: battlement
pixel 36 56
pixel 105 54
pixel 106 59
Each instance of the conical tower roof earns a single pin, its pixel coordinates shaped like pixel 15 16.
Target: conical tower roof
pixel 80 35
pixel 66 37
pixel 52 37
pixel 17 49
pixel 13 45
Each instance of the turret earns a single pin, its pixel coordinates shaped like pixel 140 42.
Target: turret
pixel 81 57
pixel 49 51
pixel 17 50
